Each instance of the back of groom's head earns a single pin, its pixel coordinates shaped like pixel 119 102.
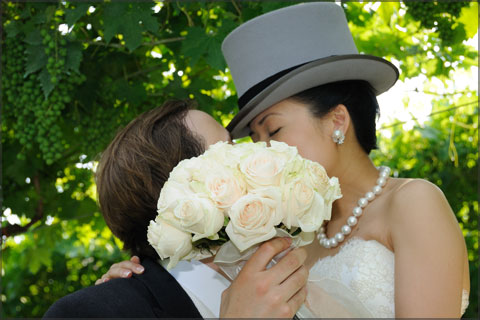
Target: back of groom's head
pixel 134 167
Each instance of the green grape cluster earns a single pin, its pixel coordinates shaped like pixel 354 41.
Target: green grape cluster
pixel 441 12
pixel 13 65
pixel 97 128
pixel 36 119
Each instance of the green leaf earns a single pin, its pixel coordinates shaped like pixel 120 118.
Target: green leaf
pixel 74 56
pixel 134 94
pixel 38 257
pixel 12 28
pixel 459 33
pixel 26 12
pixel 39 18
pixel 113 19
pixel 46 83
pixel 469 17
pixel 135 17
pixel 143 13
pixel 195 44
pixel 72 15
pixel 50 13
pixel 386 11
pixel 227 26
pixel 132 32
pixel 214 55
pixel 34 37
pixel 36 59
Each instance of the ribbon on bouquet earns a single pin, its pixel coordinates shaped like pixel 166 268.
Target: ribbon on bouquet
pixel 326 297
pixel 231 260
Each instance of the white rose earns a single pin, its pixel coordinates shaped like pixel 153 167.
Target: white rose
pixel 222 154
pixel 171 192
pixel 333 191
pixel 254 216
pixel 168 241
pixel 298 197
pixel 294 170
pixel 317 176
pixel 182 173
pixel 195 215
pixel 283 149
pixel 225 187
pixel 312 219
pixel 188 170
pixel 263 168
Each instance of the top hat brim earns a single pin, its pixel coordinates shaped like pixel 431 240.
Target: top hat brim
pixel 380 73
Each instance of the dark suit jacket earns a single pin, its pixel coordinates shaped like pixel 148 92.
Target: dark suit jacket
pixel 153 294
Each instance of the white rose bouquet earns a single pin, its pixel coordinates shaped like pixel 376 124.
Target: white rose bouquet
pixel 246 193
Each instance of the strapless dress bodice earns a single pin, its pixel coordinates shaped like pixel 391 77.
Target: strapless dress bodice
pixel 364 270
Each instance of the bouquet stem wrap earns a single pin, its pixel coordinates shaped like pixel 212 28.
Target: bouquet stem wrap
pixel 231 260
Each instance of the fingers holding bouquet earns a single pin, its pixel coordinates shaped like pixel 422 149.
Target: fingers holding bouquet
pixel 278 291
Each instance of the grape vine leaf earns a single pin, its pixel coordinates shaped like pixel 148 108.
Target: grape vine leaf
pixel 36 59
pixel 46 83
pixel 12 29
pixel 214 57
pixel 142 13
pixel 34 37
pixel 196 43
pixel 132 31
pixel 74 56
pixel 39 256
pixel 72 15
pixel 134 19
pixel 111 19
pixel 469 17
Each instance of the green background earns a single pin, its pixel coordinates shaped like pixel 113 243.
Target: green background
pixel 66 93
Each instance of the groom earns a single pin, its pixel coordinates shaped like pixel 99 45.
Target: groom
pixel 130 175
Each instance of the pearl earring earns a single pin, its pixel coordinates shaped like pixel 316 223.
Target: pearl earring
pixel 338 137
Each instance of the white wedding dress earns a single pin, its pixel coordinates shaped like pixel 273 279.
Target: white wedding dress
pixel 357 282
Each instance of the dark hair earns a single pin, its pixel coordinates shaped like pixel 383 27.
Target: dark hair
pixel 359 98
pixel 135 166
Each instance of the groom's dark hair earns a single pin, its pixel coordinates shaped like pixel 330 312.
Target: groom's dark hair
pixel 134 167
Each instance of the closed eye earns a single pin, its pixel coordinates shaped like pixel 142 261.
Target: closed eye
pixel 274 132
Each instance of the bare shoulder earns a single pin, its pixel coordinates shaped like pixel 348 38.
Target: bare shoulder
pixel 416 196
pixel 419 207
pixel 416 187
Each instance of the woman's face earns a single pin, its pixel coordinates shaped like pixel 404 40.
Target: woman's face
pixel 203 125
pixel 292 122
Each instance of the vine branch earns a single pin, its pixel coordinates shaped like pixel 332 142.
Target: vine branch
pixel 149 44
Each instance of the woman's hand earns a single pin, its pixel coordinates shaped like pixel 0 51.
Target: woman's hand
pixel 277 292
pixel 123 269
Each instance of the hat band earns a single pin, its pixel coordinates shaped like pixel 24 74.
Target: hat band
pixel 259 87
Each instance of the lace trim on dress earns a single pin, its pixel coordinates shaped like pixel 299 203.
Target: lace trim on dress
pixel 465 302
pixel 367 268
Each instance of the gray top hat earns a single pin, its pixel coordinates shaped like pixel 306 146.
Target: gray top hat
pixel 287 51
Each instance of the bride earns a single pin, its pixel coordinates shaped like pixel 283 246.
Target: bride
pixel 393 247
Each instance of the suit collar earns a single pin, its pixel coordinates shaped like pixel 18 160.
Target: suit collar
pixel 168 293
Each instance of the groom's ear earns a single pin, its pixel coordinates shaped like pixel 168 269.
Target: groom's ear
pixel 340 118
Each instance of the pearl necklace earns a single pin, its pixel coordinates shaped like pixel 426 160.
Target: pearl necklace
pixel 357 212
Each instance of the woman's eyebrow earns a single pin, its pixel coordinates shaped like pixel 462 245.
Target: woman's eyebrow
pixel 262 120
pixel 266 116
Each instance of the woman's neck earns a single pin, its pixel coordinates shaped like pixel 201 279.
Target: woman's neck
pixel 356 178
